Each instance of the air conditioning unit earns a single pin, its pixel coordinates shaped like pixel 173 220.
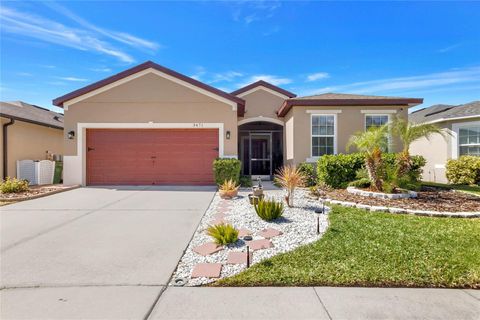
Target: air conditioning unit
pixel 36 172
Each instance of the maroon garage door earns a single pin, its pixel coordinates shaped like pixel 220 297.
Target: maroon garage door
pixel 151 156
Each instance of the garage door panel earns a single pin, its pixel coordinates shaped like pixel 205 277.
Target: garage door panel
pixel 151 156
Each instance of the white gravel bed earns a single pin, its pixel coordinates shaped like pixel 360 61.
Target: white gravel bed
pixel 298 226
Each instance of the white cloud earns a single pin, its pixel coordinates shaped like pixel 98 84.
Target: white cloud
pixel 24 74
pixel 74 79
pixel 317 76
pixel 103 69
pixel 50 31
pixel 118 36
pixel 199 73
pixel 228 76
pixel 407 84
pixel 275 80
pixel 89 38
pixel 449 48
pixel 251 11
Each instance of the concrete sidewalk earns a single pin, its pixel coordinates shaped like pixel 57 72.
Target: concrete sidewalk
pixel 317 303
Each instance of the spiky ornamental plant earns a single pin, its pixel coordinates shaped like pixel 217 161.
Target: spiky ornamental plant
pixel 269 209
pixel 223 233
pixel 289 178
pixel 409 132
pixel 372 142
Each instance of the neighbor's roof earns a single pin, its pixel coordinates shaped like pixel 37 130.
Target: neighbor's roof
pixel 344 99
pixel 146 65
pixel 445 112
pixel 25 112
pixel 266 85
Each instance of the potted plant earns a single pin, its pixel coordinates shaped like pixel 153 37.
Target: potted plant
pixel 228 189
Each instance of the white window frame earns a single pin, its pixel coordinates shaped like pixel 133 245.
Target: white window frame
pixel 389 121
pixel 456 136
pixel 335 130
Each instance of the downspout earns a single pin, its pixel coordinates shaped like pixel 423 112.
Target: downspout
pixel 5 147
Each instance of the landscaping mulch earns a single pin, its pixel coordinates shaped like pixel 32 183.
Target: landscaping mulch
pixel 34 192
pixel 431 200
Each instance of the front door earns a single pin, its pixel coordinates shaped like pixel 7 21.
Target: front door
pixel 261 155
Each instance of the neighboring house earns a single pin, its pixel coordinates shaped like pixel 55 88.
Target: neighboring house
pixel 152 125
pixel 462 127
pixel 28 132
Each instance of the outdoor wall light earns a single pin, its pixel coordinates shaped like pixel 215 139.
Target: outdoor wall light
pixel 228 135
pixel 71 135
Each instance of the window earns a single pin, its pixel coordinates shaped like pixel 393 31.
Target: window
pixel 374 120
pixel 469 140
pixel 377 120
pixel 323 135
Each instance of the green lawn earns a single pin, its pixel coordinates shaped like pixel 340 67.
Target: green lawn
pixel 377 249
pixel 464 188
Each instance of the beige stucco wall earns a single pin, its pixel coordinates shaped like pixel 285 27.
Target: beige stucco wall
pixel 29 141
pixel 437 150
pixel 349 121
pixel 261 103
pixel 150 100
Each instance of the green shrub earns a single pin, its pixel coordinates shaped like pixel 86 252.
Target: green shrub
pixel 13 185
pixel 223 233
pixel 464 170
pixel 417 164
pixel 360 183
pixel 338 170
pixel 245 181
pixel 269 209
pixel 226 169
pixel 308 171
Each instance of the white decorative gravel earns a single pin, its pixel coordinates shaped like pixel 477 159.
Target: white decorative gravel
pixel 298 225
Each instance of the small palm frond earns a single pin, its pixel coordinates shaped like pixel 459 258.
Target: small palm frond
pixel 409 132
pixel 370 140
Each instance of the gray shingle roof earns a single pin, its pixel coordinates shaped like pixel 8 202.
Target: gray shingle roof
pixel 22 111
pixel 439 112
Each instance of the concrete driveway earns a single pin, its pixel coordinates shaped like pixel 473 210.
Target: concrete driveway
pixel 95 252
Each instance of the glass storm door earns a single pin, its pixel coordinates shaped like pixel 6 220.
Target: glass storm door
pixel 261 155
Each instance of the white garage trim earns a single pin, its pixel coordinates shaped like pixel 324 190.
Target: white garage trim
pixel 261 118
pixel 139 74
pixel 75 170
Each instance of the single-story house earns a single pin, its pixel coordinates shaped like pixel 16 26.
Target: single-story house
pixel 28 132
pixel 462 126
pixel 153 125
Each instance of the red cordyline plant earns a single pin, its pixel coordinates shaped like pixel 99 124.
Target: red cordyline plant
pixel 289 177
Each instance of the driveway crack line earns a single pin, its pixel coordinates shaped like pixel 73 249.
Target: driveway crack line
pixel 321 302
pixel 150 311
pixel 471 295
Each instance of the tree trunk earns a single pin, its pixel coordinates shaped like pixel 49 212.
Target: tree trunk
pixel 404 163
pixel 373 165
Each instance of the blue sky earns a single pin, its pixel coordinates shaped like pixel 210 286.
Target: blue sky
pixel 413 49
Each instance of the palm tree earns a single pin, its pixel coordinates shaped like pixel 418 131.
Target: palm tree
pixel 372 142
pixel 408 132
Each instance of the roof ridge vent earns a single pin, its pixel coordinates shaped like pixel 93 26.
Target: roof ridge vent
pixel 438 111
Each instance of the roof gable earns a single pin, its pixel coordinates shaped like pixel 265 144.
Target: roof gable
pixel 144 68
pixel 262 83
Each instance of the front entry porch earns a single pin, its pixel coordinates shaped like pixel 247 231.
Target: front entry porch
pixel 261 149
